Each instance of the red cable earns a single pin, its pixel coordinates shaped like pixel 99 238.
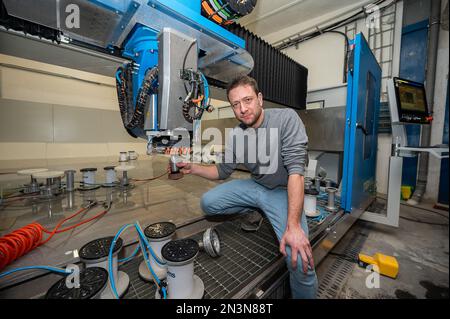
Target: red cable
pixel 27 238
pixel 74 226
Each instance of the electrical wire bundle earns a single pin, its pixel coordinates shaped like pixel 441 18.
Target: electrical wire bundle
pixel 225 12
pixel 29 237
pixel 197 99
pixel 133 116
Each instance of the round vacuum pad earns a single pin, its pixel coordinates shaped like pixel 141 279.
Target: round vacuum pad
pixel 160 230
pixel 48 174
pixel 99 248
pixel 29 172
pixel 181 250
pixel 92 281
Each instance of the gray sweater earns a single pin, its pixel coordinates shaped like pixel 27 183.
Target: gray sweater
pixel 272 152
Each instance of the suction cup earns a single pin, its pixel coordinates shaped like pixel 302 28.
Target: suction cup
pixel 159 231
pixel 181 281
pixel 312 214
pixel 31 171
pixel 158 234
pixel 95 254
pixel 88 179
pixel 92 282
pixel 98 249
pixel 180 252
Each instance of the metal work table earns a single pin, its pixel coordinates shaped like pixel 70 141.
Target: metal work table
pixel 146 202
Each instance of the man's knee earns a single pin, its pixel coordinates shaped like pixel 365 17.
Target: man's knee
pixel 303 284
pixel 207 203
pixel 305 278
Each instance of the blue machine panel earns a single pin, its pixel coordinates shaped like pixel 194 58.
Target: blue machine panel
pixel 443 182
pixel 413 57
pixel 360 146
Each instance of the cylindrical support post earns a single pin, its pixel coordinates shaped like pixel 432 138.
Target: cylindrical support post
pixel 331 198
pixel 70 180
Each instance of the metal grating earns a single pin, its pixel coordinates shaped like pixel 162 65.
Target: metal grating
pixel 244 256
pixel 336 276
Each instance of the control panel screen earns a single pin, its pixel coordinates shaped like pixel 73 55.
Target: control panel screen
pixel 412 98
pixel 411 102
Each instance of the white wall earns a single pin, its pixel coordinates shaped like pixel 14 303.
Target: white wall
pixel 40 83
pixel 323 56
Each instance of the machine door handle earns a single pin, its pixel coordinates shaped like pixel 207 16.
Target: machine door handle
pixel 362 128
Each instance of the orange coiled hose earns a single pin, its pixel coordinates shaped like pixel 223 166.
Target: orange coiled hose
pixel 27 238
pixel 19 242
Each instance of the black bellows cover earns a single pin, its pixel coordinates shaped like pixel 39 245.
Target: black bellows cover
pixel 280 79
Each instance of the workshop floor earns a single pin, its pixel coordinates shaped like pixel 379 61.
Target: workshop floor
pixel 422 251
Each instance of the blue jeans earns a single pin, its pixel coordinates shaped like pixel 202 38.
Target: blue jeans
pixel 240 196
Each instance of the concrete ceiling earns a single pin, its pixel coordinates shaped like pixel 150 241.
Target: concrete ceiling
pixel 271 16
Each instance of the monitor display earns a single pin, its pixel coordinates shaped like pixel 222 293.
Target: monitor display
pixel 411 102
pixel 412 98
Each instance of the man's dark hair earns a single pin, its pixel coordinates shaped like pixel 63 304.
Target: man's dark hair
pixel 243 80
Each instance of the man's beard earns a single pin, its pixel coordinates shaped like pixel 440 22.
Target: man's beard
pixel 256 118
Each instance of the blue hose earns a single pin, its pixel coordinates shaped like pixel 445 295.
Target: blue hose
pixel 206 87
pixel 147 261
pixel 110 259
pixel 130 257
pixel 142 243
pixel 147 244
pixel 117 76
pixel 52 269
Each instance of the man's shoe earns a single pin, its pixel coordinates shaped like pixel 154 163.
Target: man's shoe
pixel 252 222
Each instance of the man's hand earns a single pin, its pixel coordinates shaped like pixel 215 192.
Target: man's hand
pixel 209 172
pixel 185 168
pixel 296 238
